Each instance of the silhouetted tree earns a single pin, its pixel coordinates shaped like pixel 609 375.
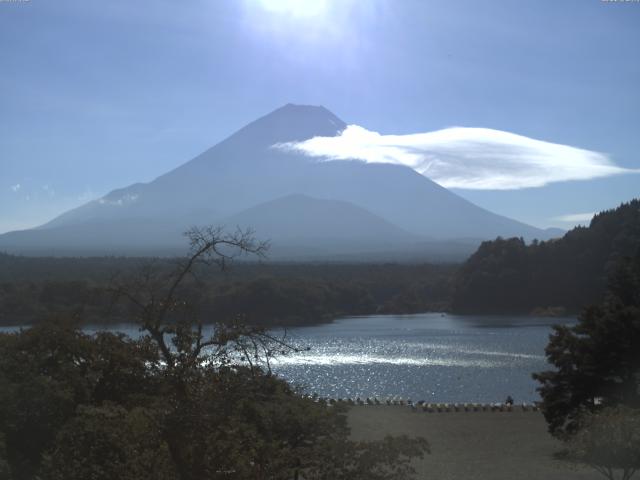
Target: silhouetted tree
pixel 598 360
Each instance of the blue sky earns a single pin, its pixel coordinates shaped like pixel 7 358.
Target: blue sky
pixel 97 95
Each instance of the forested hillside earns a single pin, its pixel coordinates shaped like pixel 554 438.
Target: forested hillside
pixel 34 289
pixel 556 276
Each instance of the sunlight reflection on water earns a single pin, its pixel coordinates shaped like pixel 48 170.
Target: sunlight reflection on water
pixel 374 360
pixel 433 357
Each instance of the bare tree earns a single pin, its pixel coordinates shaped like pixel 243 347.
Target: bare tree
pixel 162 310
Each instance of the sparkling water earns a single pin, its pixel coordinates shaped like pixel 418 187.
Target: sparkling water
pixel 433 357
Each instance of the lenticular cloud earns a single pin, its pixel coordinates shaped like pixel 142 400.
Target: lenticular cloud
pixel 467 158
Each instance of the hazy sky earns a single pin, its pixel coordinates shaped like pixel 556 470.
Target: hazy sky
pixel 96 95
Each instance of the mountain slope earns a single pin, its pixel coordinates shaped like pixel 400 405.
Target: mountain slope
pixel 300 217
pixel 409 200
pixel 237 173
pixel 245 170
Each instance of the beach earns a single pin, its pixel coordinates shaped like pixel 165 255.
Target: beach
pixel 472 445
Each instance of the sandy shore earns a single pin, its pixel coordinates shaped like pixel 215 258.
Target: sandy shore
pixel 472 445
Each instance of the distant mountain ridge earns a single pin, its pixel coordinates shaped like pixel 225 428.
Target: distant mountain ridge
pixel 301 216
pixel 244 172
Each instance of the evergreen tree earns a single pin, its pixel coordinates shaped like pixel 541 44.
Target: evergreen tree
pixel 566 274
pixel 598 360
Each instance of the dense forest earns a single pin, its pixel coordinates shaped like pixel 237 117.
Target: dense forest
pixel 502 276
pixel 267 293
pixel 556 276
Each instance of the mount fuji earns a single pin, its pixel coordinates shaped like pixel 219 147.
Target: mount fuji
pixel 308 208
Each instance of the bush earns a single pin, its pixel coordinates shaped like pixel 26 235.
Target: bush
pixel 609 440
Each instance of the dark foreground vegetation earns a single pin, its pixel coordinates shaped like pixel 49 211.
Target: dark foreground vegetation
pixel 591 399
pixel 556 276
pixel 175 404
pixel 107 407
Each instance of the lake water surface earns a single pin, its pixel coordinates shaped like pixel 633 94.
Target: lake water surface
pixel 433 357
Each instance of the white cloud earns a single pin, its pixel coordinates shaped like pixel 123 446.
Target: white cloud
pixel 15 187
pixel 127 198
pixel 468 158
pixel 575 217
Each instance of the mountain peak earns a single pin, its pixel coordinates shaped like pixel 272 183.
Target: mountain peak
pixel 295 108
pixel 290 123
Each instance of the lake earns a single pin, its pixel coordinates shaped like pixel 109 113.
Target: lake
pixel 433 357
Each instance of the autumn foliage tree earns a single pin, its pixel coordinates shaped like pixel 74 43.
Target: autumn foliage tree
pixel 183 401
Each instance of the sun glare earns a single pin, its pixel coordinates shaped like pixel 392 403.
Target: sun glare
pixel 295 8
